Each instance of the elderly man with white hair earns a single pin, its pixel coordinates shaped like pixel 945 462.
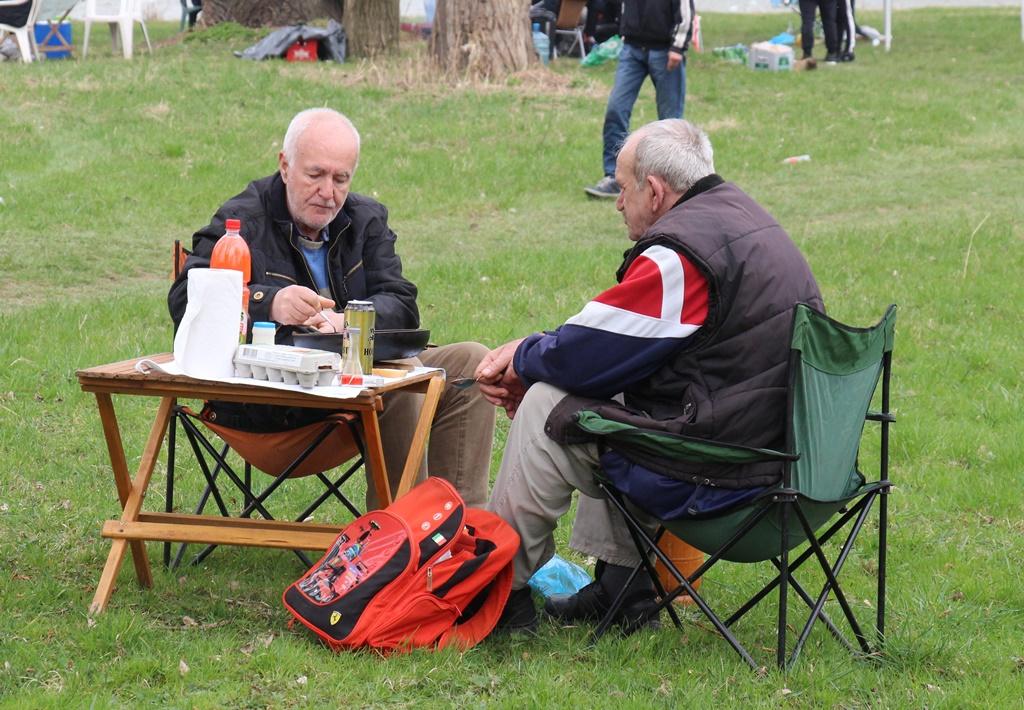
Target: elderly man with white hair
pixel 692 340
pixel 315 246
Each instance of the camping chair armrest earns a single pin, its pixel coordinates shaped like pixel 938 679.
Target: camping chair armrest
pixel 688 449
pixel 880 417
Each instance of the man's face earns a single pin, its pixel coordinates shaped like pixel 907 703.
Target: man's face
pixel 635 200
pixel 319 177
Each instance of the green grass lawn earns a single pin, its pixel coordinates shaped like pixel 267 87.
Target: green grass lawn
pixel 912 195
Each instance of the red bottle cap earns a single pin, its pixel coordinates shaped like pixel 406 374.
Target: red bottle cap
pixel 233 224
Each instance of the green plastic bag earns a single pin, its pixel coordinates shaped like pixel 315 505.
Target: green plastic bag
pixel 607 50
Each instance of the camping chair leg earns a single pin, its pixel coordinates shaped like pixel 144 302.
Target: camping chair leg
pixel 793 566
pixel 198 443
pixel 883 522
pixel 247 493
pixel 333 488
pixel 257 503
pixel 645 562
pixel 780 650
pixel 831 583
pixel 649 544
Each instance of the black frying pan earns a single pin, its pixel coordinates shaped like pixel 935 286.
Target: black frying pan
pixel 387 344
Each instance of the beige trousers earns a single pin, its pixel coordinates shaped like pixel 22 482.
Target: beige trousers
pixel 534 489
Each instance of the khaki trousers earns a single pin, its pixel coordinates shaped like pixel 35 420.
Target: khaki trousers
pixel 459 449
pixel 534 489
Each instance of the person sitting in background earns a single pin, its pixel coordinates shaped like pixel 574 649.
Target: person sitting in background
pixel 693 339
pixel 315 246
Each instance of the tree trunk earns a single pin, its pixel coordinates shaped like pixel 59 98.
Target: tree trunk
pixel 259 13
pixel 482 39
pixel 372 27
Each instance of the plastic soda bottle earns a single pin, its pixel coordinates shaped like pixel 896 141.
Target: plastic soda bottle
pixel 541 43
pixel 231 252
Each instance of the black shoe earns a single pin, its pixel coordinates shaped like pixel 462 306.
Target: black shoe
pixel 592 603
pixel 847 57
pixel 520 615
pixel 832 59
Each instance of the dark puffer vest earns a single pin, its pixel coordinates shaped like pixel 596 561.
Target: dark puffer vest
pixel 730 384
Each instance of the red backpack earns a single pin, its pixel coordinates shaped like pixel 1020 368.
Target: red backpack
pixel 425 571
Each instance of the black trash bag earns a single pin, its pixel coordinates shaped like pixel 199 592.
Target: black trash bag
pixel 333 42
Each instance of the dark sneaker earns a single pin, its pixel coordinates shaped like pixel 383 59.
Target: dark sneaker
pixel 832 59
pixel 847 57
pixel 520 615
pixel 592 602
pixel 606 188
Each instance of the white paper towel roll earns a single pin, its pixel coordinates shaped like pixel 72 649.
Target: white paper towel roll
pixel 208 334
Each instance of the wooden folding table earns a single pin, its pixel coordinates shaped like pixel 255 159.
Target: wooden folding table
pixel 136 526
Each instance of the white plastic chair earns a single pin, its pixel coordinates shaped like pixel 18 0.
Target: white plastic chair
pixel 121 16
pixel 22 34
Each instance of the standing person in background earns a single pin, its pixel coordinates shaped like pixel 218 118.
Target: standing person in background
pixel 846 30
pixel 828 23
pixel 655 35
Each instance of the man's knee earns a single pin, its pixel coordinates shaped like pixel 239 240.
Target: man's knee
pixel 457 359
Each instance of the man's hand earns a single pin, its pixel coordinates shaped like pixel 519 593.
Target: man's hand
pixel 498 380
pixel 674 60
pixel 295 305
pixel 327 321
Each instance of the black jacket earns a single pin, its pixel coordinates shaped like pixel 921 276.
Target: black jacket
pixel 657 24
pixel 362 263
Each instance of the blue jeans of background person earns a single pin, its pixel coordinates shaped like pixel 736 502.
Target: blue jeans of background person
pixel 635 64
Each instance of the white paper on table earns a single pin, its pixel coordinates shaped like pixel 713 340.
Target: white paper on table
pixel 207 337
pixel 330 391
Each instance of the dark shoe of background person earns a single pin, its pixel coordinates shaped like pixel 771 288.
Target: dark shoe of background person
pixel 832 59
pixel 847 57
pixel 606 188
pixel 520 615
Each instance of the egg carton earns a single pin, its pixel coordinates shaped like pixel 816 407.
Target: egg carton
pixel 285 363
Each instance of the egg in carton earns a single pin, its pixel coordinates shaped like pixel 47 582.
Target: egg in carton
pixel 285 363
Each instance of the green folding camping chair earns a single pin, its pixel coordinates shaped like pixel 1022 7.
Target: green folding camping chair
pixel 834 371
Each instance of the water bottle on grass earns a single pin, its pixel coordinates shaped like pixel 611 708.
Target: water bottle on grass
pixel 541 43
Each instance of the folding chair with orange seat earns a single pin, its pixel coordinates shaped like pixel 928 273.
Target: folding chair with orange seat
pixel 308 450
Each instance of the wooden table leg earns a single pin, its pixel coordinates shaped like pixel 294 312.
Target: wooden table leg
pixel 130 493
pixel 375 457
pixel 419 437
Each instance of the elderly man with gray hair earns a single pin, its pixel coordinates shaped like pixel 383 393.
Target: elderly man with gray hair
pixel 693 339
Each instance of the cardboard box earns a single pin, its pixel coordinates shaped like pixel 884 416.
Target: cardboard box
pixel 305 50
pixel 771 57
pixel 53 40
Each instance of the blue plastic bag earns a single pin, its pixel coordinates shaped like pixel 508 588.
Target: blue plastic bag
pixel 559 576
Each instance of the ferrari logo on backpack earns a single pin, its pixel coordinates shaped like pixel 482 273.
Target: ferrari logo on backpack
pixel 335 617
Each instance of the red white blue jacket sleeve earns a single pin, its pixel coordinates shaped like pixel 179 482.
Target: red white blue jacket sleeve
pixel 624 334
